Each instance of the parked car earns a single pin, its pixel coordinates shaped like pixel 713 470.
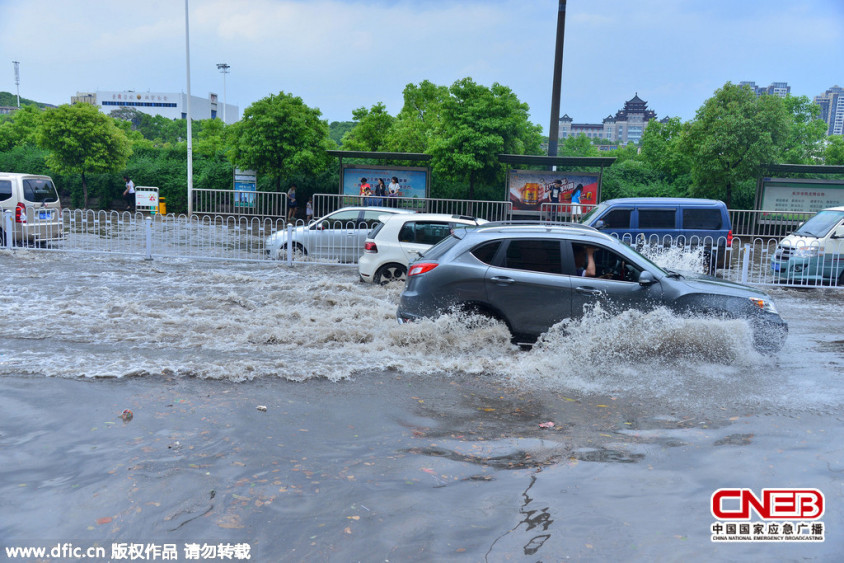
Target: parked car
pixel 337 236
pixel 814 253
pixel 668 221
pixel 34 204
pixel 400 239
pixel 528 277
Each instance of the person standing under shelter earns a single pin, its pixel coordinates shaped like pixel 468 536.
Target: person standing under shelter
pixel 364 185
pixel 393 191
pixel 309 211
pixel 575 202
pixel 554 191
pixel 129 194
pixel 291 203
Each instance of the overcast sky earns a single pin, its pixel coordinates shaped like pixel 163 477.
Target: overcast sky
pixel 339 55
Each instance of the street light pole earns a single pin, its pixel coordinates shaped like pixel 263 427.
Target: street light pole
pixel 190 134
pixel 18 81
pixel 224 68
pixel 554 129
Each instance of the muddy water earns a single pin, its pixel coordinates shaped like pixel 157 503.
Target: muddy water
pixel 388 442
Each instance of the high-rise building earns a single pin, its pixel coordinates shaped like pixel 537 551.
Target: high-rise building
pixel 831 103
pixel 168 104
pixel 781 89
pixel 627 126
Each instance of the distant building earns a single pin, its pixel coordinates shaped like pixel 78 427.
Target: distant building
pixel 167 104
pixel 832 109
pixel 781 89
pixel 627 126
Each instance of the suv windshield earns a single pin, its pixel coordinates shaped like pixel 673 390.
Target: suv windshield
pixel 820 225
pixel 40 190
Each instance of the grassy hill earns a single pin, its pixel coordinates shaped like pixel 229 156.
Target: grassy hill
pixel 9 99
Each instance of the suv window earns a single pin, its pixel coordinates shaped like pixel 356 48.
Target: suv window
pixel 5 189
pixel 371 219
pixel 657 218
pixel 617 219
pixel 608 264
pixel 35 189
pixel 341 220
pixel 704 219
pixel 534 256
pixel 486 252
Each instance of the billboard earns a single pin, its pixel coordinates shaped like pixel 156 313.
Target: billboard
pixel 800 195
pixel 413 181
pixel 527 190
pixel 245 186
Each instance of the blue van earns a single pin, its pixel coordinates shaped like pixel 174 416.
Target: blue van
pixel 668 221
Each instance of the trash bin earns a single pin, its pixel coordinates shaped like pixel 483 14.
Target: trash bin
pixel 162 206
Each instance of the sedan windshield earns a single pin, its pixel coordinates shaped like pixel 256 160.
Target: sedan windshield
pixel 820 225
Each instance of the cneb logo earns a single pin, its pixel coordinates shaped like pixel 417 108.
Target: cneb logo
pixel 787 504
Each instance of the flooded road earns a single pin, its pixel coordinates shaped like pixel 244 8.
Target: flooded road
pixel 388 442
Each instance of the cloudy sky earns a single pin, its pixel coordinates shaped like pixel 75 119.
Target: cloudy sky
pixel 339 55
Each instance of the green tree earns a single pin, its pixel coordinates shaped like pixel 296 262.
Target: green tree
pixel 578 145
pixel 804 142
pixel 20 128
pixel 419 117
pixel 733 134
pixel 834 151
pixel 338 129
pixel 279 136
pixel 372 129
pixel 477 124
pixel 662 150
pixel 81 140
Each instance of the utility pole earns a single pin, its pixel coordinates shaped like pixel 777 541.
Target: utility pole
pixel 224 68
pixel 554 129
pixel 18 81
pixel 190 133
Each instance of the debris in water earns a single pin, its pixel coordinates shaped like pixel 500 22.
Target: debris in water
pixel 548 424
pixel 262 408
pixel 126 415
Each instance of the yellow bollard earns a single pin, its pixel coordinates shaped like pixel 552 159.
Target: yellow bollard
pixel 162 206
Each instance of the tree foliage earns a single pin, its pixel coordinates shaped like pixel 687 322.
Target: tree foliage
pixel 81 140
pixel 476 125
pixel 280 136
pixel 371 131
pixel 733 135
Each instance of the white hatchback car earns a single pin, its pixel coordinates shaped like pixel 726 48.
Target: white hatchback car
pixel 337 236
pixel 400 239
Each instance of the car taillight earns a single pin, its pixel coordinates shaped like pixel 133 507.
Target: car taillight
pixel 730 238
pixel 417 269
pixel 370 247
pixel 20 213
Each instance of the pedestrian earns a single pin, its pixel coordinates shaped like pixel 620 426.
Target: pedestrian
pixel 129 194
pixel 291 203
pixel 554 191
pixel 393 191
pixel 309 211
pixel 364 186
pixel 575 202
pixel 380 191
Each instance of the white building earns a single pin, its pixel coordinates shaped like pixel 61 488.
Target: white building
pixel 172 105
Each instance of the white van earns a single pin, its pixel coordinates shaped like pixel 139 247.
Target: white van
pixel 35 211
pixel 814 253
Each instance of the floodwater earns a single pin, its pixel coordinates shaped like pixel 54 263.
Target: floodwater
pixel 387 442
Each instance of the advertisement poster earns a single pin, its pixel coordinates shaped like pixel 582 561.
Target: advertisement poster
pixel 779 194
pixel 529 189
pixel 245 185
pixel 413 182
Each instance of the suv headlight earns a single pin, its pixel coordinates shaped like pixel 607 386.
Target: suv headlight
pixel 765 305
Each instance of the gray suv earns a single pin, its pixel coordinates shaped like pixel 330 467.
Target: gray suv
pixel 533 276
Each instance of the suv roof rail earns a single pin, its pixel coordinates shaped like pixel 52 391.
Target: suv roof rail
pixel 540 224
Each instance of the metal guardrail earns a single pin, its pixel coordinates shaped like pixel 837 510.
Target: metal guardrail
pixel 239 203
pixel 489 210
pixel 755 260
pixel 767 224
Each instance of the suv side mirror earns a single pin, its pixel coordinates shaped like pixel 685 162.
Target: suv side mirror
pixel 600 224
pixel 646 278
pixel 839 232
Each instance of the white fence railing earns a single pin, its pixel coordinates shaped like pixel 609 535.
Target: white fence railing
pixel 489 210
pixel 240 203
pixel 754 260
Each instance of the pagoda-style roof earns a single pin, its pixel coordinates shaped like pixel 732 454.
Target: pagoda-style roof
pixel 635 105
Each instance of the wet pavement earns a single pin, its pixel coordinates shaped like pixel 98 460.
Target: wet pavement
pixel 382 442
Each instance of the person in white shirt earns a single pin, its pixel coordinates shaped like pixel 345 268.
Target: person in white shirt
pixel 129 194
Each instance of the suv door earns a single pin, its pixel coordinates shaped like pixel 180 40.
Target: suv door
pixel 615 285
pixel 334 235
pixel 526 284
